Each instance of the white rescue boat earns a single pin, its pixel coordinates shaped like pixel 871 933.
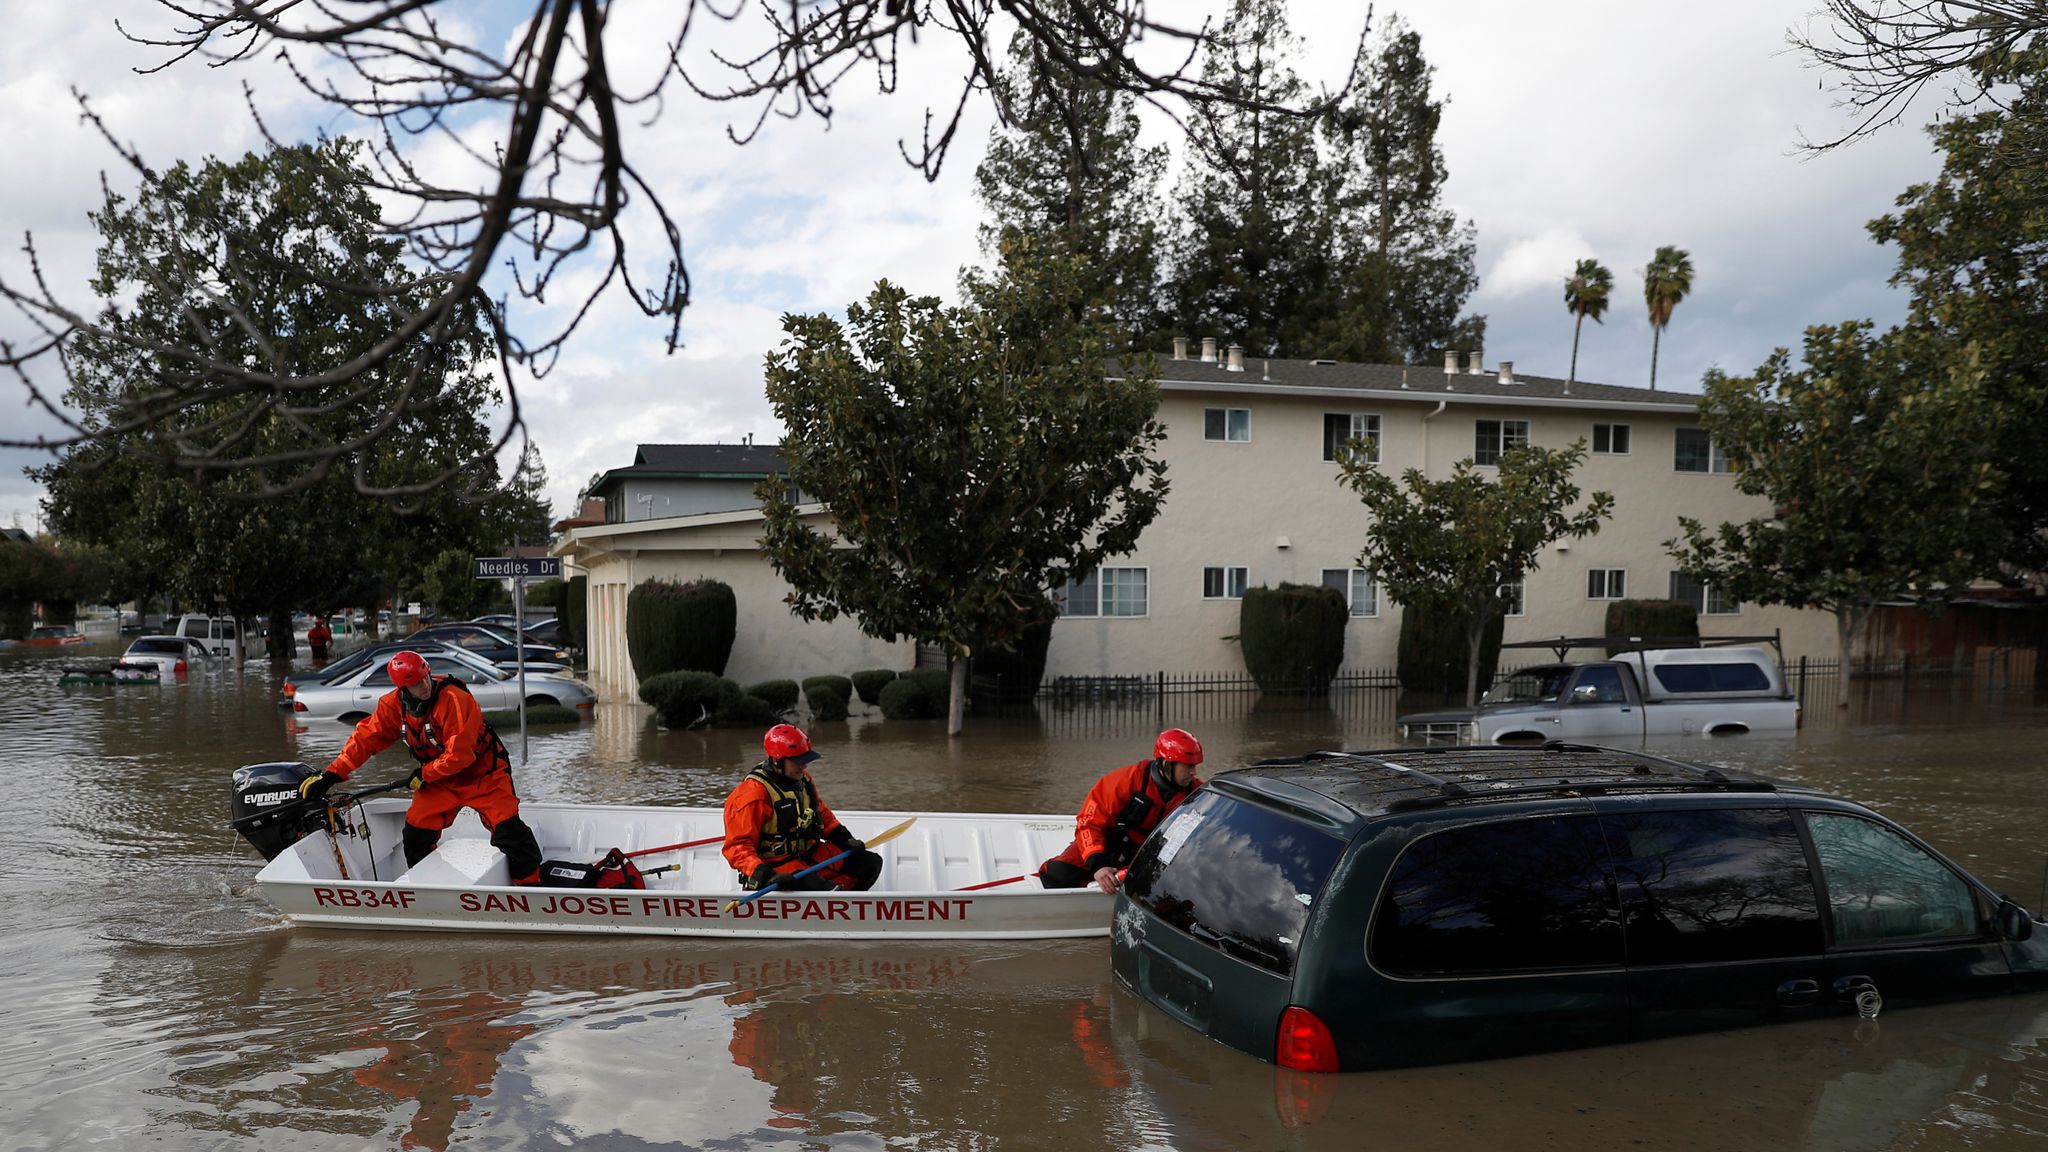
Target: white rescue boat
pixel 947 876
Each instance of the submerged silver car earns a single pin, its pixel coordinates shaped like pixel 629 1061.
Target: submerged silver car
pixel 354 696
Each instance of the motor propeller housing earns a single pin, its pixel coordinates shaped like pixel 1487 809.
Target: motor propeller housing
pixel 267 808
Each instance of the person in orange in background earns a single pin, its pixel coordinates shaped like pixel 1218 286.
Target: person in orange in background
pixel 462 764
pixel 1122 809
pixel 775 825
pixel 318 636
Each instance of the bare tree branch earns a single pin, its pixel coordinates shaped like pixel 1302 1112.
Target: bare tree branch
pixel 1885 53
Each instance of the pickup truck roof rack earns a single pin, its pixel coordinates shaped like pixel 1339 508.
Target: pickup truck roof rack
pixel 1564 644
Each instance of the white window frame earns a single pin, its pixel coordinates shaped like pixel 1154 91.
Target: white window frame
pixel 1361 591
pixel 1718 463
pixel 1607 584
pixel 1628 439
pixel 1364 425
pixel 1093 583
pixel 1224 574
pixel 1514 596
pixel 1227 438
pixel 1711 602
pixel 1506 440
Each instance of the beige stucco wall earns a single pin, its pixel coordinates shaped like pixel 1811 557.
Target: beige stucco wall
pixel 768 642
pixel 1237 504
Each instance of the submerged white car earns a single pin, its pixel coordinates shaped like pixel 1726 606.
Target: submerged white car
pixel 354 696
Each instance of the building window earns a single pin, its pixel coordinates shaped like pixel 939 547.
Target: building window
pixel 1610 439
pixel 1607 584
pixel 1705 598
pixel 1514 597
pixel 1697 452
pixel 1105 592
pixel 1229 424
pixel 1224 583
pixel 1493 439
pixel 1358 589
pixel 1341 428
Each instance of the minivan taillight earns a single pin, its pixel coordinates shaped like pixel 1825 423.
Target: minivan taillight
pixel 1304 1043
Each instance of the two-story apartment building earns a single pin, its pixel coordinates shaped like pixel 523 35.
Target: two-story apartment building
pixel 1257 498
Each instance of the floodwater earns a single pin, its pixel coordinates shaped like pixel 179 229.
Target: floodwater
pixel 151 996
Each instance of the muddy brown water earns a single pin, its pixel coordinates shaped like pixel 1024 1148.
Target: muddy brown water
pixel 152 997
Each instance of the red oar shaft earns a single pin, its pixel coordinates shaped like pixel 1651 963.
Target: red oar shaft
pixel 994 883
pixel 673 847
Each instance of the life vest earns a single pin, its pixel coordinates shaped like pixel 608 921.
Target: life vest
pixel 792 829
pixel 426 742
pixel 1140 815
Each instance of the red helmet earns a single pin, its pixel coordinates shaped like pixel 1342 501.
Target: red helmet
pixel 407 668
pixel 788 742
pixel 1178 746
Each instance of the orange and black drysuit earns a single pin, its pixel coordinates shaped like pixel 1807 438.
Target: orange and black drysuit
pixel 463 764
pixel 317 637
pixel 774 821
pixel 1121 810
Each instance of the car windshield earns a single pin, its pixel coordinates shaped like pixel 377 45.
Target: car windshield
pixel 163 644
pixel 1529 686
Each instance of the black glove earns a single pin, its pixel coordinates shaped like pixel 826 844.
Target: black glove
pixel 314 787
pixel 846 839
pixel 764 875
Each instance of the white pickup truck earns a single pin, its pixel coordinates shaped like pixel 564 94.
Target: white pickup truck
pixel 1649 692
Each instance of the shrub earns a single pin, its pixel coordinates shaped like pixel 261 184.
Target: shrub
pixel 672 627
pixel 779 694
pixel 507 722
pixel 575 612
pixel 869 683
pixel 1293 636
pixel 744 711
pixel 827 702
pixel 839 684
pixel 682 699
pixel 547 594
pixel 1652 620
pixel 919 695
pixel 1432 653
pixel 1016 673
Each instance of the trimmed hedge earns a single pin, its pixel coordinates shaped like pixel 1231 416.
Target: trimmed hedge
pixel 840 684
pixel 917 695
pixel 1018 672
pixel 1432 653
pixel 1652 619
pixel 827 702
pixel 575 612
pixel 682 699
pixel 869 682
pixel 507 722
pixel 672 627
pixel 779 694
pixel 1293 636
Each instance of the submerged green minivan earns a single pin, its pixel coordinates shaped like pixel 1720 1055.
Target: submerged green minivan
pixel 1343 911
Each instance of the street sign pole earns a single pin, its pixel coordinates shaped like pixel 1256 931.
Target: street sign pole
pixel 519 570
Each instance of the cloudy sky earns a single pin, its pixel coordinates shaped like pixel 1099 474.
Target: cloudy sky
pixel 1599 128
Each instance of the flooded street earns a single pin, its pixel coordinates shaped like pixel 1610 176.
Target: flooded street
pixel 153 997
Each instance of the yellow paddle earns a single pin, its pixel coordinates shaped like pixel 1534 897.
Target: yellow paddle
pixel 880 838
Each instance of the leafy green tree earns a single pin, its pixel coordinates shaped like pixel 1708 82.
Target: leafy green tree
pixel 1882 484
pixel 972 458
pixel 450 584
pixel 1666 281
pixel 1067 168
pixel 1447 546
pixel 1405 261
pixel 293 525
pixel 1252 253
pixel 1585 297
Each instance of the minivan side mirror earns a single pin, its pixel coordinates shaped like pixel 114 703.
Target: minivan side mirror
pixel 2014 922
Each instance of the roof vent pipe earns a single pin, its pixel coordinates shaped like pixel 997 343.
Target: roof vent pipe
pixel 1180 347
pixel 1507 371
pixel 1236 358
pixel 1450 361
pixel 1208 349
pixel 1475 364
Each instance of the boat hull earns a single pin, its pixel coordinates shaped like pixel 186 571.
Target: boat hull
pixel 927 891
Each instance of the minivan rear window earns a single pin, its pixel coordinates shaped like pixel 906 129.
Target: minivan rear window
pixel 170 647
pixel 1235 876
pixel 1737 676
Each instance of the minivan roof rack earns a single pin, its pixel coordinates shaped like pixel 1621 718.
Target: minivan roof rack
pixel 1564 644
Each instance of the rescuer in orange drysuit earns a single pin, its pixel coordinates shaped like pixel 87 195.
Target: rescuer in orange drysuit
pixel 462 764
pixel 1122 809
pixel 775 825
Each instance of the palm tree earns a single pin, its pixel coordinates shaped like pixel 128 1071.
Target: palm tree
pixel 1585 294
pixel 1665 283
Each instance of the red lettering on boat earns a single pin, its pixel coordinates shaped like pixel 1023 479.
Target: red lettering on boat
pixel 813 910
pixel 323 896
pixel 837 910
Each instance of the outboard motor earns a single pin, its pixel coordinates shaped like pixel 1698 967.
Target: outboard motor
pixel 268 810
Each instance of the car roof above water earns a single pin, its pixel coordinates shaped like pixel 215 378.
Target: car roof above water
pixel 1344 789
